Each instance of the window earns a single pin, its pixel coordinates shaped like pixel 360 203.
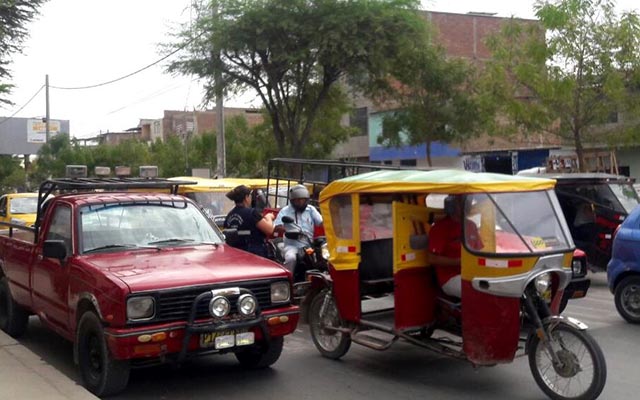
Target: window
pixel 341 216
pixel 60 228
pixel 358 119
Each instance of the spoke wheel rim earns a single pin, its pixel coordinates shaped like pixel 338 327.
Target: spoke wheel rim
pixel 329 339
pixel 94 357
pixel 573 376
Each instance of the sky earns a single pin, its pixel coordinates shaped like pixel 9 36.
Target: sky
pixel 89 42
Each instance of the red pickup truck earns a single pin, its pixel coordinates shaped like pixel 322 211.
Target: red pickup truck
pixel 137 279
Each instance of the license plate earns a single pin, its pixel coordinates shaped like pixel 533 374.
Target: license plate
pixel 226 339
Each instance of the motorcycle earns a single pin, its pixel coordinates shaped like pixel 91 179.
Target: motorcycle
pixel 312 256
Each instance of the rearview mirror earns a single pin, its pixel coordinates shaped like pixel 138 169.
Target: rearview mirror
pixel 54 249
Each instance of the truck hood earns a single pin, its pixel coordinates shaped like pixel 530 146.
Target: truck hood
pixel 150 269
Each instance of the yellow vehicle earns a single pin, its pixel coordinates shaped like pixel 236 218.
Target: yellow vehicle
pixel 210 194
pixel 19 208
pixel 514 251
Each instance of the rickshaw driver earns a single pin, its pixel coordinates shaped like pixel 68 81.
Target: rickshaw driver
pixel 445 241
pixel 306 217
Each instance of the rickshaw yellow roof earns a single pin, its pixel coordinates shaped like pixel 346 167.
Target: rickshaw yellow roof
pixel 223 184
pixel 437 181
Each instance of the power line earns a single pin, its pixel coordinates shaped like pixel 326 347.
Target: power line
pixel 23 106
pixel 130 74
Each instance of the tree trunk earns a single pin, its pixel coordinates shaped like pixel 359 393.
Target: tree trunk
pixel 429 153
pixel 582 167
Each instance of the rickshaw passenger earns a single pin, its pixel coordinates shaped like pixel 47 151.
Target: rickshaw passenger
pixel 252 226
pixel 445 245
pixel 306 217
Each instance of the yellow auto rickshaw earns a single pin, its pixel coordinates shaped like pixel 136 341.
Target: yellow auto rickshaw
pixel 515 255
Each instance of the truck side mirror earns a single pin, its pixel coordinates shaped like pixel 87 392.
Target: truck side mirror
pixel 54 249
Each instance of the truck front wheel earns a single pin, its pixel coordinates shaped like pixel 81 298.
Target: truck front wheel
pixel 101 374
pixel 261 356
pixel 13 318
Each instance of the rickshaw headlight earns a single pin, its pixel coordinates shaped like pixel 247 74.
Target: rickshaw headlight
pixel 576 268
pixel 280 292
pixel 219 306
pixel 542 282
pixel 325 252
pixel 247 304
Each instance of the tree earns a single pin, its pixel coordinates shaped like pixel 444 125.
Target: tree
pixel 436 103
pixel 572 82
pixel 12 175
pixel 14 15
pixel 293 52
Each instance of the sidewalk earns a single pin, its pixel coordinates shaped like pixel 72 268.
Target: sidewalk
pixel 25 376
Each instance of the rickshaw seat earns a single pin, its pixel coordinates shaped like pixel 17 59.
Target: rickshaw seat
pixel 376 265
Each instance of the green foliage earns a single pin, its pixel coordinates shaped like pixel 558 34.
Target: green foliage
pixel 293 52
pixel 570 83
pixel 12 175
pixel 437 102
pixel 14 15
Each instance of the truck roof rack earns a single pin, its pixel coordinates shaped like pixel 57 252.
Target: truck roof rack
pixel 83 185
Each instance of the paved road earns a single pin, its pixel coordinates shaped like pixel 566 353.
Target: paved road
pixel 403 372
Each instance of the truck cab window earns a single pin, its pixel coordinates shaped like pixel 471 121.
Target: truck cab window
pixel 60 228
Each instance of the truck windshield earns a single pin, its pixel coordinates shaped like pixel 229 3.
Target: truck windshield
pixel 112 226
pixel 523 222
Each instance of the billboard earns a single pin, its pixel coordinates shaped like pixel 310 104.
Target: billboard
pixel 27 135
pixel 37 130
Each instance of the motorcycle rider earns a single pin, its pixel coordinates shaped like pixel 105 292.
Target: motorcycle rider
pixel 304 216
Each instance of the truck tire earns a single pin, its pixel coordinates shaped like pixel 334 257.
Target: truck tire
pixel 101 374
pixel 258 357
pixel 13 317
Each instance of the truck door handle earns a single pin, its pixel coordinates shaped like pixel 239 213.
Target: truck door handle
pixel 40 257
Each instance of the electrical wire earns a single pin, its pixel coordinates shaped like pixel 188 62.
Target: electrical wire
pixel 129 74
pixel 23 106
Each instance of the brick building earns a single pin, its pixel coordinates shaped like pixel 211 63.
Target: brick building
pixel 463 36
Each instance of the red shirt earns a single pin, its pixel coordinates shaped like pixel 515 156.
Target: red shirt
pixel 445 240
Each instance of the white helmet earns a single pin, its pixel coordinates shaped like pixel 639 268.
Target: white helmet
pixel 298 192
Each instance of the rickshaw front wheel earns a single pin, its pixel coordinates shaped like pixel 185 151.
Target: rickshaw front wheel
pixel 580 371
pixel 323 315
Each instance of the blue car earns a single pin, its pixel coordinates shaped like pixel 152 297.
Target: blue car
pixel 623 271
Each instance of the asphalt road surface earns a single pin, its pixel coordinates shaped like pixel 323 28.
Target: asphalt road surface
pixel 402 372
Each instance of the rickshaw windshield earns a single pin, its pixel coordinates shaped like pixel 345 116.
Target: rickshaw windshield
pixel 213 203
pixel 626 195
pixel 515 223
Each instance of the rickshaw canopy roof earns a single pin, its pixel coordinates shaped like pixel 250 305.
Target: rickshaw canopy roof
pixel 434 181
pixel 219 185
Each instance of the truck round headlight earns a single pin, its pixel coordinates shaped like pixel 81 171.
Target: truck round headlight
pixel 219 306
pixel 542 282
pixel 140 308
pixel 247 304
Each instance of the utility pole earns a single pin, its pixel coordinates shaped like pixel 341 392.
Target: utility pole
pixel 46 122
pixel 217 77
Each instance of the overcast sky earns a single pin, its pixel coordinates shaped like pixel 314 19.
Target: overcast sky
pixel 87 42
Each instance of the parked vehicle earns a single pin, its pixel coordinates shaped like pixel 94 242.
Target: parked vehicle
pixel 623 271
pixel 210 194
pixel 139 279
pixel 594 204
pixel 19 208
pixel 515 266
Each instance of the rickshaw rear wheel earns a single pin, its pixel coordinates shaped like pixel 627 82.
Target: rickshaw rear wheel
pixel 330 343
pixel 582 371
